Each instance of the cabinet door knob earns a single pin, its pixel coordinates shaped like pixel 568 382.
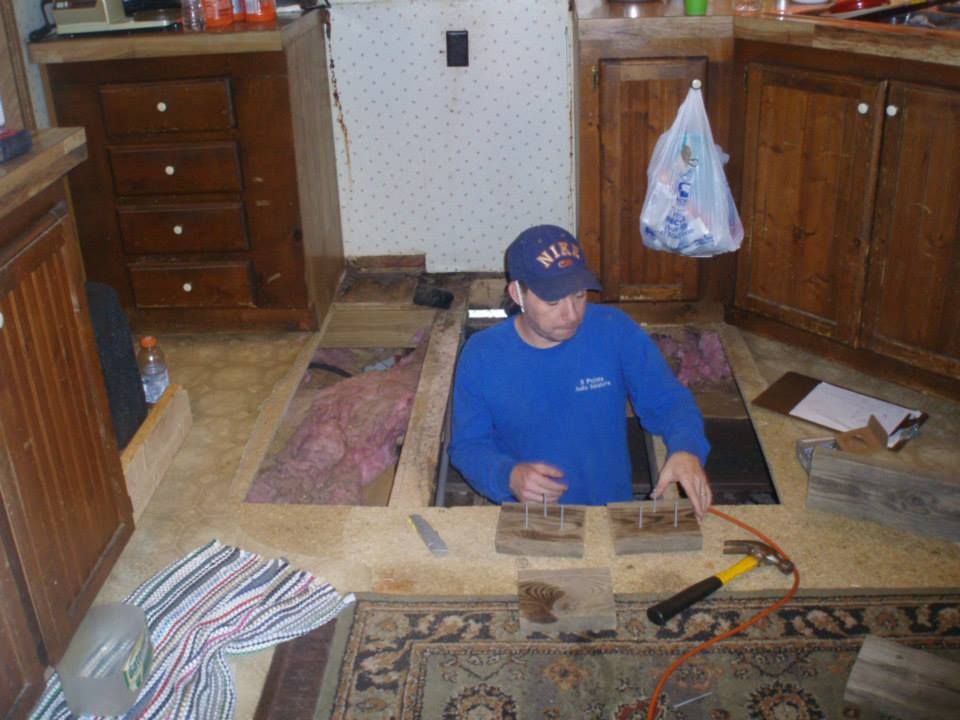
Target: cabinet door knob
pixel 862 108
pixel 1 320
pixel 170 170
pixel 178 229
pixel 188 287
pixel 892 110
pixel 161 106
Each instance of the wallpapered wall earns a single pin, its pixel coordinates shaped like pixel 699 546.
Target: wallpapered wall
pixel 452 162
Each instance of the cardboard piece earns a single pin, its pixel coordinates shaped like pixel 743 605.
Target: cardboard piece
pixel 839 408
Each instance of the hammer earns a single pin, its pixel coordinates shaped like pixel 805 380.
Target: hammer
pixel 757 553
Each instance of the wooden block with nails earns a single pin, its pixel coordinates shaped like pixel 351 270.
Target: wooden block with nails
pixel 645 526
pixel 900 681
pixel 533 529
pixel 574 600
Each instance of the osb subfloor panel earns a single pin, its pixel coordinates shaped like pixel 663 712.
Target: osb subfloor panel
pixel 376 549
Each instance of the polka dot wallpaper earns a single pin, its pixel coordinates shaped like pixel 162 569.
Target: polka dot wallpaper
pixel 452 162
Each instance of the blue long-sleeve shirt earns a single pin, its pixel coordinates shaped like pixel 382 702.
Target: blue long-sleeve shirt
pixel 566 406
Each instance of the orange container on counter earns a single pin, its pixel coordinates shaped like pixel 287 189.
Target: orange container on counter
pixel 219 13
pixel 261 10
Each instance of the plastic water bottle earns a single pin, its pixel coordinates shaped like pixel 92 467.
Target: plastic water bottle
pixel 153 369
pixel 108 660
pixel 192 15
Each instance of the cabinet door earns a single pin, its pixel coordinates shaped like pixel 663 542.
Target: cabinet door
pixel 21 670
pixel 61 483
pixel 639 101
pixel 810 155
pixel 913 295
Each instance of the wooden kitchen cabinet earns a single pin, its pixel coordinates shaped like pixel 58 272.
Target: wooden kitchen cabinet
pixel 21 668
pixel 633 76
pixel 809 157
pixel 210 197
pixel 912 309
pixel 852 231
pixel 639 100
pixel 64 510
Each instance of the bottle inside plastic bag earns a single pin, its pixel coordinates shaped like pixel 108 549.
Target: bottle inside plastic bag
pixel 108 660
pixel 688 208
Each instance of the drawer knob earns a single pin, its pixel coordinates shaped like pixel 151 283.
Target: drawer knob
pixel 170 170
pixel 892 110
pixel 862 108
pixel 161 106
pixel 178 229
pixel 188 287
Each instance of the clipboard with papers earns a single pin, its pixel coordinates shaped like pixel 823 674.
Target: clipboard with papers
pixel 839 408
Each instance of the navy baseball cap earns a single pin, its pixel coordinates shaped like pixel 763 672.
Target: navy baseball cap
pixel 550 261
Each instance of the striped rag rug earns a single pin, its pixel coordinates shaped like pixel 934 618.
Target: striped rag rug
pixel 217 601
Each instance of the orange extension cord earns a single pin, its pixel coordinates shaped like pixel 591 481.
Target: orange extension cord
pixel 654 702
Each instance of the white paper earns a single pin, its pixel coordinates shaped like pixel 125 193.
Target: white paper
pixel 840 409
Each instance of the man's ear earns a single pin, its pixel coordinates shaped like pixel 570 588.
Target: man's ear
pixel 516 294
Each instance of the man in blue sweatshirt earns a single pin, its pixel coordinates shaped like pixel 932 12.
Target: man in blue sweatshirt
pixel 539 400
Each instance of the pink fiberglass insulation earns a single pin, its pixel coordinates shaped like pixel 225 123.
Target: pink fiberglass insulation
pixel 350 435
pixel 697 357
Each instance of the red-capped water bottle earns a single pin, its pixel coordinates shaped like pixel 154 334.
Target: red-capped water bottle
pixel 153 369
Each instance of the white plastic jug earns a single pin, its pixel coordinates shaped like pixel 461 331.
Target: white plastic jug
pixel 108 660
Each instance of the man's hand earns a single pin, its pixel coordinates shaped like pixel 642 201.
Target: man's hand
pixel 685 468
pixel 536 482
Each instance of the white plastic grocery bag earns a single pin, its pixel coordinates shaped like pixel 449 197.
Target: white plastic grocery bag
pixel 689 208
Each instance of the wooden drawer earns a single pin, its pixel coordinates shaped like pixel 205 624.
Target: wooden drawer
pixel 213 284
pixel 173 169
pixel 197 227
pixel 188 105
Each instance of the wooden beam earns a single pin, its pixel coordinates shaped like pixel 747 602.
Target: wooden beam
pixel 903 682
pixel 877 488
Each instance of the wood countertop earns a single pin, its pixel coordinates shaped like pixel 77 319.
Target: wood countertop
pixel 796 24
pixel 54 153
pixel 238 38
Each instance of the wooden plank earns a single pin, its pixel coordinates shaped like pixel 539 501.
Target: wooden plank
pixel 574 600
pixel 879 489
pixel 643 527
pixel 371 325
pixel 533 531
pixel 416 480
pixel 152 449
pixel 903 682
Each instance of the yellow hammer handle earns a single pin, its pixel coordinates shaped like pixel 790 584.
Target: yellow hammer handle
pixel 745 565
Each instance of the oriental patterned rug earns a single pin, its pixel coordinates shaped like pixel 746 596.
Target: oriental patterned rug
pixel 459 659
